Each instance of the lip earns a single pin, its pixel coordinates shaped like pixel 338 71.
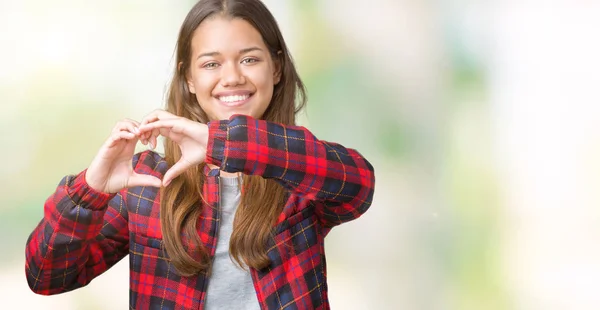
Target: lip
pixel 234 93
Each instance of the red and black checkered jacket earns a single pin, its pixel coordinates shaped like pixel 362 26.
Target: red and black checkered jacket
pixel 84 232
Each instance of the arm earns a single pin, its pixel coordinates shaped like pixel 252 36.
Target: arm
pixel 85 230
pixel 340 180
pixel 83 233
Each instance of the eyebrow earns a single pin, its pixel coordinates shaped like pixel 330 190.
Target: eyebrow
pixel 242 51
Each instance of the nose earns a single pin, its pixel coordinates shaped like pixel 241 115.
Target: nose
pixel 232 75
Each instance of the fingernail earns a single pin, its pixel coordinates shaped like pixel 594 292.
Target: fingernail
pixel 136 130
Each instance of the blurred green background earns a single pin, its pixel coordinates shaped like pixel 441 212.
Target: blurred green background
pixel 480 117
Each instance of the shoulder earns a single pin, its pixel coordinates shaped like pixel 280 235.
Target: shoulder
pixel 150 162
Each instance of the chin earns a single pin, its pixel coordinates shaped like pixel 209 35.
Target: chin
pixel 248 113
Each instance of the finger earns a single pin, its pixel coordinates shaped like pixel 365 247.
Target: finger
pixel 157 115
pixel 118 136
pixel 153 138
pixel 149 138
pixel 143 137
pixel 131 121
pixel 143 180
pixel 133 126
pixel 177 169
pixel 127 125
pixel 168 133
pixel 149 119
pixel 171 123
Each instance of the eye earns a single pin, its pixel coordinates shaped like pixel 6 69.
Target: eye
pixel 210 65
pixel 249 60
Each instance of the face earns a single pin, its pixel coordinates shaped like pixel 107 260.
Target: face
pixel 231 71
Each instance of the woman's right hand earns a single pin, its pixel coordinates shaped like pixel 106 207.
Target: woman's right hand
pixel 112 169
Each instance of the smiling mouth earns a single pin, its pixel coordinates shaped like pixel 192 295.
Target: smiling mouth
pixel 234 100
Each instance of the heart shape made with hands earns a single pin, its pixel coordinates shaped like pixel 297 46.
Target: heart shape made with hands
pixel 190 136
pixel 112 170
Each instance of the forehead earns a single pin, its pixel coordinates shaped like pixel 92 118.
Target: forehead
pixel 221 34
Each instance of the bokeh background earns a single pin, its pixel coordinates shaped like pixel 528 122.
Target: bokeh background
pixel 482 119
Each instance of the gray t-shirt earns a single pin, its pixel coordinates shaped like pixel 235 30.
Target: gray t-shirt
pixel 229 286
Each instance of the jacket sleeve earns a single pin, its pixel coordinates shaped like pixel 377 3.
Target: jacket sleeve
pixel 340 180
pixel 82 234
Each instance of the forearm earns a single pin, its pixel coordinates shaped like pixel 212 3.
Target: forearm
pixel 65 251
pixel 339 177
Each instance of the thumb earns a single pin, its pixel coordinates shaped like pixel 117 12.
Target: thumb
pixel 143 180
pixel 177 169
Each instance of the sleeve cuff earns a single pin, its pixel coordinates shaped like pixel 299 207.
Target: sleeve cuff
pixel 85 196
pixel 215 148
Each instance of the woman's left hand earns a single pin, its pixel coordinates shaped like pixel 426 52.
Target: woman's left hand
pixel 192 138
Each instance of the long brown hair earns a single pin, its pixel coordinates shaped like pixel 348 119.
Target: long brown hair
pixel 262 200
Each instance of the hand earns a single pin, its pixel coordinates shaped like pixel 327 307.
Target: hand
pixel 190 136
pixel 112 170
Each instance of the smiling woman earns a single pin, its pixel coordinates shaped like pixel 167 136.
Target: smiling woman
pixel 235 213
pixel 234 71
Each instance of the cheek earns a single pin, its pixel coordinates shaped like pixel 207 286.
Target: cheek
pixel 204 84
pixel 264 81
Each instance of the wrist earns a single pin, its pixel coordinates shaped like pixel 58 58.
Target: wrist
pixel 90 182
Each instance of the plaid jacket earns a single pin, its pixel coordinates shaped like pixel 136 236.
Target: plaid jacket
pixel 84 232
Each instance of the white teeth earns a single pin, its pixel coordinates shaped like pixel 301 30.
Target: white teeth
pixel 234 98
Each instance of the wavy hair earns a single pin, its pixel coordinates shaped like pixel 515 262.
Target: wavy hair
pixel 262 199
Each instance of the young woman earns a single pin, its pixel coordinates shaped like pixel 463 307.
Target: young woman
pixel 235 214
